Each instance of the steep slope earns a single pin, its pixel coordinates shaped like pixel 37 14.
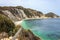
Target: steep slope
pixel 19 13
pixel 6 26
pixel 33 13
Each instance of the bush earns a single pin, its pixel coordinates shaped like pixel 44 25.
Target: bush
pixel 6 25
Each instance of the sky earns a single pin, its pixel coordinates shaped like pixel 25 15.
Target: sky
pixel 44 6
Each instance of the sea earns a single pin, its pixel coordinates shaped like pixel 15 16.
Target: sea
pixel 46 29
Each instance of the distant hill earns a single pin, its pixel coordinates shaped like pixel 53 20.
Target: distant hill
pixel 51 14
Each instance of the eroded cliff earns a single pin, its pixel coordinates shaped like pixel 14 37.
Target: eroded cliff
pixel 19 13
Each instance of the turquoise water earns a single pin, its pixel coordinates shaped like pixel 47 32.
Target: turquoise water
pixel 46 29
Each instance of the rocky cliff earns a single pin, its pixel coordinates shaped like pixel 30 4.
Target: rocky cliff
pixel 19 13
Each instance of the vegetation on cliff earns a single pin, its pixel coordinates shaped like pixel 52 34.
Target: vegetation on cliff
pixel 6 25
pixel 28 35
pixel 17 14
pixel 32 13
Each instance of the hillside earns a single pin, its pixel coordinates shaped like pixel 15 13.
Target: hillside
pixel 19 13
pixel 52 15
pixel 10 14
pixel 8 28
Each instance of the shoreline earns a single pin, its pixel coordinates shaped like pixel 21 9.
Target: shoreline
pixel 19 23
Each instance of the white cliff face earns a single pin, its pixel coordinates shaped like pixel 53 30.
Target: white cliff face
pixel 24 15
pixel 21 13
pixel 17 14
pixel 9 14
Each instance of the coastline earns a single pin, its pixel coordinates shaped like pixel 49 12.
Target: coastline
pixel 19 23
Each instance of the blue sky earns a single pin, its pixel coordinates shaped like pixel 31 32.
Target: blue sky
pixel 42 5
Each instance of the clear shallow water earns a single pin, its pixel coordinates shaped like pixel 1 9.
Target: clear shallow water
pixel 46 29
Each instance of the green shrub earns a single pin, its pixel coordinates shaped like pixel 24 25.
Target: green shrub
pixel 6 25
